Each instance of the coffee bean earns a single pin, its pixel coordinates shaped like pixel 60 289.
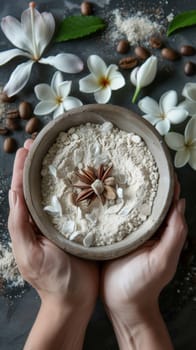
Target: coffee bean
pixel 142 52
pixel 189 68
pixel 3 130
pixel 128 62
pixel 12 113
pixel 32 125
pixel 169 54
pixel 12 124
pixel 156 42
pixel 9 145
pixel 187 50
pixel 5 99
pixel 25 110
pixel 86 8
pixel 123 46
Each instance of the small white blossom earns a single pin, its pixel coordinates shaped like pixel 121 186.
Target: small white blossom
pixel 31 36
pixel 55 98
pixel 164 113
pixel 144 75
pixel 189 92
pixel 185 145
pixel 102 79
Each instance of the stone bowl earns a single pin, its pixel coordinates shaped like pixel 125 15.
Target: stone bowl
pixel 123 119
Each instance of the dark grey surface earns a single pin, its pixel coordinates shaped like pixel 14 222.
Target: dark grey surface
pixel 18 307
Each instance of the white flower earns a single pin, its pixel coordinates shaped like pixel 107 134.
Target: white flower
pixel 143 75
pixel 55 98
pixel 165 113
pixel 31 36
pixel 189 92
pixel 102 79
pixel 184 145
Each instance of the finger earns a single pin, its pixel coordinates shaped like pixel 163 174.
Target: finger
pixel 17 177
pixel 21 232
pixel 28 143
pixel 174 235
pixel 176 189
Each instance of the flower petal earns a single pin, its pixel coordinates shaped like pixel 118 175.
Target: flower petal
pixel 149 106
pixel 45 107
pixel 192 160
pixel 117 81
pixel 18 78
pixel 147 72
pixel 151 119
pixel 57 79
pixel 8 55
pixel 163 126
pixel 64 89
pixel 189 91
pixel 58 111
pixel 190 106
pixel 15 34
pixel 177 115
pixel 190 131
pixel 96 65
pixel 71 102
pixel 110 70
pixel 181 158
pixel 174 141
pixel 167 101
pixel 44 92
pixel 133 76
pixel 65 62
pixel 89 84
pixel 103 95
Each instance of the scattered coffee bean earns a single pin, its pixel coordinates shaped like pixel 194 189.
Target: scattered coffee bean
pixel 156 42
pixel 32 125
pixel 142 52
pixel 3 130
pixel 169 54
pixel 128 62
pixel 34 135
pixel 86 8
pixel 9 145
pixel 5 99
pixel 12 124
pixel 12 113
pixel 123 46
pixel 189 68
pixel 25 110
pixel 187 50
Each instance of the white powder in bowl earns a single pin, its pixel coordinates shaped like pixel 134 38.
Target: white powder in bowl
pixel 136 181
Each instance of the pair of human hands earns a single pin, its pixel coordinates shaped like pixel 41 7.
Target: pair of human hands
pixel 135 280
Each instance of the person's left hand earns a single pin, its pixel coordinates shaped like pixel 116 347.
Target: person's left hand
pixel 53 273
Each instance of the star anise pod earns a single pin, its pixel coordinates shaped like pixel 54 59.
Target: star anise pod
pixel 95 183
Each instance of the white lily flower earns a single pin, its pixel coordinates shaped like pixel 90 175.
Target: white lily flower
pixel 189 92
pixel 102 79
pixel 184 145
pixel 55 98
pixel 31 36
pixel 164 113
pixel 144 75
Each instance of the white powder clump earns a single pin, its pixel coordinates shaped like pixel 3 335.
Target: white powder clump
pixel 136 182
pixel 8 269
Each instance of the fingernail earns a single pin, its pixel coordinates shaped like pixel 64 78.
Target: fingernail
pixel 12 198
pixel 181 205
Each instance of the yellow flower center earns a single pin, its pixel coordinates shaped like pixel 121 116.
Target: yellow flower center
pixel 59 100
pixel 104 82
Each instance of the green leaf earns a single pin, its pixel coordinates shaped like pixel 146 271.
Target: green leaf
pixel 184 19
pixel 74 27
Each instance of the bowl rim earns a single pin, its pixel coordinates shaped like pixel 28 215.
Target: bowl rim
pixel 108 251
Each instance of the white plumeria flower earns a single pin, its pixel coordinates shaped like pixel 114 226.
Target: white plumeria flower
pixel 164 113
pixel 144 75
pixel 189 92
pixel 184 145
pixel 55 98
pixel 31 36
pixel 102 79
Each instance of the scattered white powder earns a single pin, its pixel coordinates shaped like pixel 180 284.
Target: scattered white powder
pixel 137 28
pixel 8 269
pixel 136 180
